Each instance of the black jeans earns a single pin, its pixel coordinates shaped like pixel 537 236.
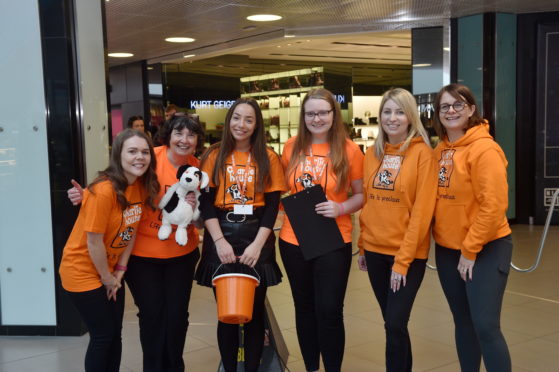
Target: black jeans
pixel 161 289
pixel 476 305
pixel 318 287
pixel 395 306
pixel 228 337
pixel 103 318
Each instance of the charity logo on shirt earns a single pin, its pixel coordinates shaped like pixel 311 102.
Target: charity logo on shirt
pixel 312 170
pixel 130 216
pixel 239 184
pixel 446 166
pixel 386 175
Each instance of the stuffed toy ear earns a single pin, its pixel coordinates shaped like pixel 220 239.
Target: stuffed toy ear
pixel 181 170
pixel 204 180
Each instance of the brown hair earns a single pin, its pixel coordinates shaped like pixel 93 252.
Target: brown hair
pixel 258 148
pixel 461 93
pixel 179 123
pixel 115 173
pixel 337 136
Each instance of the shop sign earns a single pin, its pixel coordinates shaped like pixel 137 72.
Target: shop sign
pixel 217 104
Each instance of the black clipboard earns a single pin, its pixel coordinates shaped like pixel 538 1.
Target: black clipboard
pixel 315 233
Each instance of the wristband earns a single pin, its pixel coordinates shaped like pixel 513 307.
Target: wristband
pixel 221 237
pixel 120 267
pixel 342 212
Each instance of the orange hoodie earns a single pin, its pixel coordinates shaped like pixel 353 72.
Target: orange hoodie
pixel 472 196
pixel 400 192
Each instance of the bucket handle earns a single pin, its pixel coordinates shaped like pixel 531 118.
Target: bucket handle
pixel 221 264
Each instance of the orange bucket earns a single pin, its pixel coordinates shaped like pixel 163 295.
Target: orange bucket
pixel 235 297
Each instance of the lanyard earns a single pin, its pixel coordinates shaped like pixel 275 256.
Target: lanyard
pixel 316 180
pixel 243 186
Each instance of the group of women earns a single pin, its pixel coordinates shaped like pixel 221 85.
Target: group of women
pixel 400 184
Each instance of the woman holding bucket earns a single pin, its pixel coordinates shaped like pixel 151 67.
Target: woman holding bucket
pixel 239 210
pixel 322 154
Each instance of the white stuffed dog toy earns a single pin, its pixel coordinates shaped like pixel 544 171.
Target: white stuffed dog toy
pixel 175 208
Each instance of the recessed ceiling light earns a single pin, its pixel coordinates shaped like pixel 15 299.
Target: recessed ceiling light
pixel 121 55
pixel 446 49
pixel 263 17
pixel 288 35
pixel 150 67
pixel 189 56
pixel 180 39
pixel 422 65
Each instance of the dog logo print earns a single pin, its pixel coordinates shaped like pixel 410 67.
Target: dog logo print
pixel 126 235
pixel 388 172
pixel 306 180
pixel 236 195
pixel 446 166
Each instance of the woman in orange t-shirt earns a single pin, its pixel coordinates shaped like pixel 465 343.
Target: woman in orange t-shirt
pixel 239 210
pixel 160 272
pixel 98 249
pixel 322 154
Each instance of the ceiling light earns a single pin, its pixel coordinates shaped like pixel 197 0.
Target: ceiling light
pixel 446 49
pixel 288 35
pixel 189 56
pixel 263 17
pixel 121 55
pixel 422 65
pixel 150 67
pixel 180 39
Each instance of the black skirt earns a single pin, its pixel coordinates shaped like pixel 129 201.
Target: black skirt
pixel 239 231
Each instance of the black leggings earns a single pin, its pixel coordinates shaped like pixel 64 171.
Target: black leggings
pixel 161 289
pixel 476 305
pixel 318 287
pixel 103 318
pixel 228 337
pixel 395 306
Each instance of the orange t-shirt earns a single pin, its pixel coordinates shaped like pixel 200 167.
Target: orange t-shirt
pixel 147 242
pixel 318 166
pixel 100 213
pixel 228 193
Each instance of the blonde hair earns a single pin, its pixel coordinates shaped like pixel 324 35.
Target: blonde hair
pixel 337 136
pixel 407 103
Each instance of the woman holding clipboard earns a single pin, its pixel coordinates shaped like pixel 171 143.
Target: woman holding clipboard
pixel 239 210
pixel 321 154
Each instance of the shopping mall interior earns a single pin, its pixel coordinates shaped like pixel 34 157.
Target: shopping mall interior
pixel 90 65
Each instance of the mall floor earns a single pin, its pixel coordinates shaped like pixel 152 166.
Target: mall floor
pixel 530 322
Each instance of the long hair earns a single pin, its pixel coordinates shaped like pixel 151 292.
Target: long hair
pixel 337 137
pixel 258 148
pixel 461 93
pixel 407 103
pixel 179 122
pixel 115 173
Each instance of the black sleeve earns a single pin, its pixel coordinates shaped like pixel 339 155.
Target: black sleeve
pixel 272 200
pixel 207 208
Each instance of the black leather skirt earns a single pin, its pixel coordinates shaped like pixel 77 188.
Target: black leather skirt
pixel 239 231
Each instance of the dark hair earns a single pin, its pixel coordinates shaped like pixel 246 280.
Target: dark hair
pixel 461 93
pixel 132 119
pixel 258 148
pixel 171 107
pixel 115 173
pixel 179 123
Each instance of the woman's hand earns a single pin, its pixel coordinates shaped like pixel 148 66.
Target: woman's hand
pixel 251 254
pixel 191 199
pixel 396 281
pixel 466 268
pixel 362 263
pixel 112 284
pixel 75 194
pixel 328 209
pixel 225 251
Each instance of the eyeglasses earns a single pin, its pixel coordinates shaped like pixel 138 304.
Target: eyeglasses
pixel 457 106
pixel 309 115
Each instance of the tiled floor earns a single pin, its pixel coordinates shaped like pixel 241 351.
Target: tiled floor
pixel 530 322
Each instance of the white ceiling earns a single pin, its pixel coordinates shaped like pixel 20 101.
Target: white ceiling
pixel 354 31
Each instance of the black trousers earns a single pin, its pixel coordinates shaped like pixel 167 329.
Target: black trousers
pixel 103 318
pixel 228 337
pixel 161 289
pixel 476 305
pixel 318 287
pixel 395 306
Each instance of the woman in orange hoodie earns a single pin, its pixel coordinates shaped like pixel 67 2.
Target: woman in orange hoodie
pixel 400 190
pixel 472 235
